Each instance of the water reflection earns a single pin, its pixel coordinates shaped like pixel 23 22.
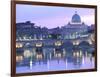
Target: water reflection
pixel 51 59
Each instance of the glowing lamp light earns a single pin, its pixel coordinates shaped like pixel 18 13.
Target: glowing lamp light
pixel 39 44
pixel 75 42
pixel 19 45
pixel 58 43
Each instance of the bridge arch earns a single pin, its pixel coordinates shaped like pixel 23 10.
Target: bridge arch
pixel 27 44
pixel 84 43
pixel 84 46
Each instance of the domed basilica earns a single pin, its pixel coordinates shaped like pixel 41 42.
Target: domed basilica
pixel 75 28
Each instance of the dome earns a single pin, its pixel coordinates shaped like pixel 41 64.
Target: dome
pixel 76 18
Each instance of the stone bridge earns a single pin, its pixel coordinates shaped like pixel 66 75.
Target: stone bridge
pixel 52 42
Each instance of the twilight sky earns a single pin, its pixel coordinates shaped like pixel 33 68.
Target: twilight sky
pixel 50 16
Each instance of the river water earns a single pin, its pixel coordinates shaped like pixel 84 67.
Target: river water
pixel 69 63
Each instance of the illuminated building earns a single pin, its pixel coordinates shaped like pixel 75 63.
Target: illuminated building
pixel 74 29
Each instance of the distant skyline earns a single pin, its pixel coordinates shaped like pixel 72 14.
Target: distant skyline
pixel 50 16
